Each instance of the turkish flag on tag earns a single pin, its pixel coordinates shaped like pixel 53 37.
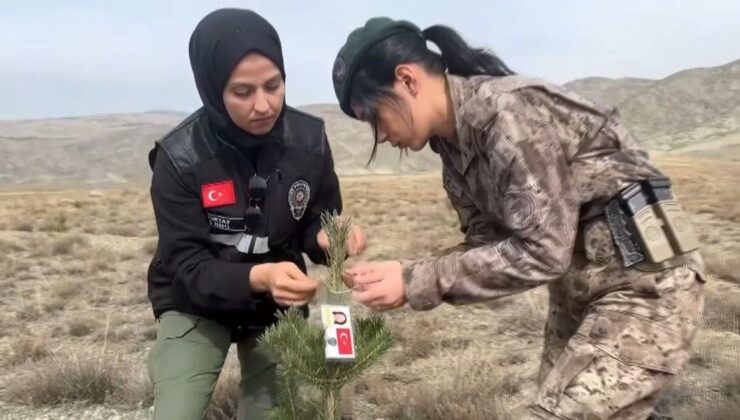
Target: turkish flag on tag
pixel 344 340
pixel 338 341
pixel 218 194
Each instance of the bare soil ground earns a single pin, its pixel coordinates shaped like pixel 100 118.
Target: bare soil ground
pixel 76 325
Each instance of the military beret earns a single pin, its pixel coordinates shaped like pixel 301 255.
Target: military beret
pixel 358 42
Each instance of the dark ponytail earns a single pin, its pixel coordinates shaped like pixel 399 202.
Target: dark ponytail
pixel 460 58
pixel 374 78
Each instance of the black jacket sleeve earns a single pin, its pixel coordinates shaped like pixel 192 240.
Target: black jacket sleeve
pixel 189 257
pixel 328 198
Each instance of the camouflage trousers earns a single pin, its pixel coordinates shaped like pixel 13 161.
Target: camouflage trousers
pixel 615 337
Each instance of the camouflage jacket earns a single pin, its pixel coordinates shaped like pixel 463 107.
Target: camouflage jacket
pixel 529 161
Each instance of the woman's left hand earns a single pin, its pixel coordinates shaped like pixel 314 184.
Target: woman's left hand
pixel 377 285
pixel 356 241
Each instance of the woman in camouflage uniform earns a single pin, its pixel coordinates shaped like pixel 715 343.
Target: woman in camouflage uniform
pixel 529 168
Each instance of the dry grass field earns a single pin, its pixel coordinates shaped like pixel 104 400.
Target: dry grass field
pixel 76 325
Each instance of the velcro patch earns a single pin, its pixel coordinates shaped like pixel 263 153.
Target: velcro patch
pixel 226 224
pixel 218 194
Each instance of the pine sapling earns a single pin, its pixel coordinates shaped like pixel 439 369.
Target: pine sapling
pixel 309 384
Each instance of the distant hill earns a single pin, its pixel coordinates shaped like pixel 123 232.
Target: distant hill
pixel 113 148
pixel 693 111
pixel 689 110
pixel 81 150
pixel 609 91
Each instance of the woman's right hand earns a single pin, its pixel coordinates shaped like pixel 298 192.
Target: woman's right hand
pixel 285 281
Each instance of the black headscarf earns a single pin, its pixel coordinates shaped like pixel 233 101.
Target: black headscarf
pixel 217 44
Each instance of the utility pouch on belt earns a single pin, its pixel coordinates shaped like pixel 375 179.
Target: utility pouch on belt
pixel 648 224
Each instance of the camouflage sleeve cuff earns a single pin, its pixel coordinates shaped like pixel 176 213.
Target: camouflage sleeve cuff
pixel 422 291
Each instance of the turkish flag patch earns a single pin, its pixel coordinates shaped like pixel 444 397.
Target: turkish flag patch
pixel 217 194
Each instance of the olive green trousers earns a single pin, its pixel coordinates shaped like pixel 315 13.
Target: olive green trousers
pixel 185 363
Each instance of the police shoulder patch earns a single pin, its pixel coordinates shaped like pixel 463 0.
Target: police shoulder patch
pixel 298 197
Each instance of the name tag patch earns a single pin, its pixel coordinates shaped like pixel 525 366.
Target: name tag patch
pixel 226 224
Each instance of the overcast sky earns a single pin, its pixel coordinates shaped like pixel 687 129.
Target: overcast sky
pixel 64 58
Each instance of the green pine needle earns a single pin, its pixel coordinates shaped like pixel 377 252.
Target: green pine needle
pixel 338 231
